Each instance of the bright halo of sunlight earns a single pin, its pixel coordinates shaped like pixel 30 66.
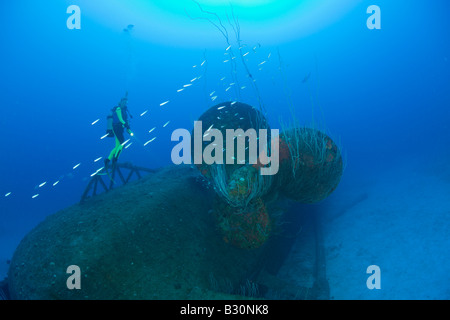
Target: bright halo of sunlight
pixel 184 22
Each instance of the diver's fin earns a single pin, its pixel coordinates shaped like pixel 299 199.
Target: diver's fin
pixel 105 172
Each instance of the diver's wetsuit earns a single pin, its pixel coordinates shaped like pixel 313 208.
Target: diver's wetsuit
pixel 118 129
pixel 118 132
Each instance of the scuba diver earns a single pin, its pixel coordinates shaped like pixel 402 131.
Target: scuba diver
pixel 117 121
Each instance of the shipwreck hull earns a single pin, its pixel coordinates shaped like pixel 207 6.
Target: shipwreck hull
pixel 155 238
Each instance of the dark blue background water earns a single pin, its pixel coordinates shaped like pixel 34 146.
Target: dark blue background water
pixel 384 93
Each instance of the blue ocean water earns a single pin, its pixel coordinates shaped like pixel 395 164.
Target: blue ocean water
pixel 383 93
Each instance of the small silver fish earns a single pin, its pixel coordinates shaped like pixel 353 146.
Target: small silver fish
pixel 95 122
pixel 144 112
pixel 125 142
pixel 149 141
pixel 166 102
pixel 98 170
pixel 166 124
pixel 76 166
pixel 151 129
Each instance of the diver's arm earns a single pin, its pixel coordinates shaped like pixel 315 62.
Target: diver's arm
pixel 126 125
pixel 119 115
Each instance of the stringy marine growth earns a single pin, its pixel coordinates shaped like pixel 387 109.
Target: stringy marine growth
pixel 236 183
pixel 244 184
pixel 315 167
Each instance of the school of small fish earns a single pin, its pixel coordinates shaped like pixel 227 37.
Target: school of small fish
pixel 127 143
